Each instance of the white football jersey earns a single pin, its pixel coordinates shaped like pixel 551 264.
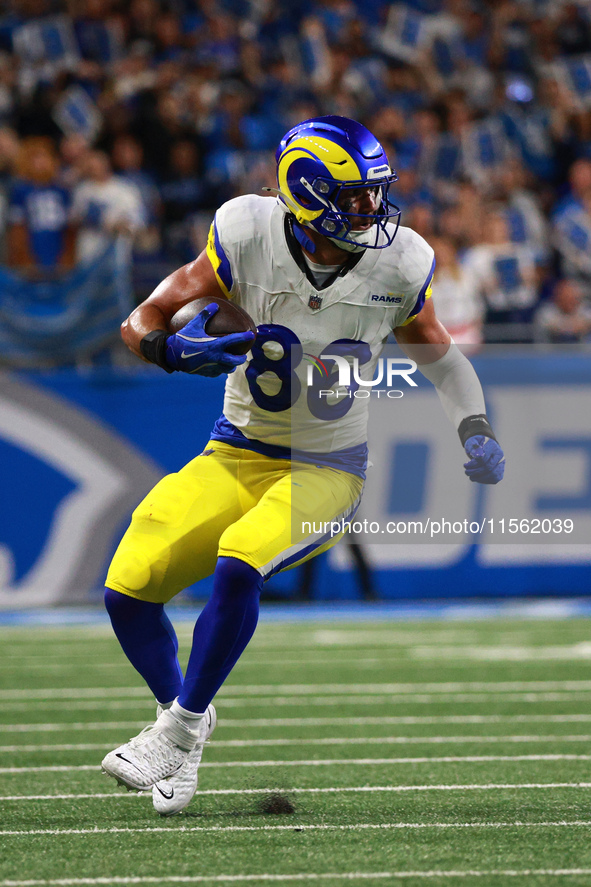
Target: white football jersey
pixel 259 265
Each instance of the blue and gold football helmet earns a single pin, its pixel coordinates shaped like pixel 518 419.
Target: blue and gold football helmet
pixel 317 161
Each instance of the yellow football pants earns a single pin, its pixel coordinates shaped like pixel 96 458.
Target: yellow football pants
pixel 230 502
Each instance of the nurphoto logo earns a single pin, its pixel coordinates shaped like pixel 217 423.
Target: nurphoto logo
pixel 349 378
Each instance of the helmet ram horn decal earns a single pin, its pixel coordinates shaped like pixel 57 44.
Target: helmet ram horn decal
pixel 320 159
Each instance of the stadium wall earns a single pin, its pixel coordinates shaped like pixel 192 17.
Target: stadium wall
pixel 79 450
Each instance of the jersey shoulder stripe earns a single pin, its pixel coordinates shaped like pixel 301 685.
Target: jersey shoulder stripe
pixel 425 293
pixel 219 260
pixel 239 225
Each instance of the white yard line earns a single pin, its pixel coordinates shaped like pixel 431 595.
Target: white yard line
pixel 82 705
pixel 397 740
pixel 63 728
pixel 280 636
pixel 35 749
pixel 40 663
pixel 331 762
pixel 416 699
pixel 296 827
pixel 477 652
pixel 301 877
pixel 312 689
pixel 75 693
pixel 370 699
pixel 58 659
pixel 66 665
pixel 313 791
pixel 447 687
pixel 335 740
pixel 407 720
pixel 503 652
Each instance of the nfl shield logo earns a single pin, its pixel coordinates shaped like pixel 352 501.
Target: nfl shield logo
pixel 315 301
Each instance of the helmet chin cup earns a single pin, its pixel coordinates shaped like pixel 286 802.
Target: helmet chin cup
pixel 357 241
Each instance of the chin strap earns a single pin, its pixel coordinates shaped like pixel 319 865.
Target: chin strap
pixel 303 239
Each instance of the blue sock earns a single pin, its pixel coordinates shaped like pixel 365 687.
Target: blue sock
pixel 223 630
pixel 148 640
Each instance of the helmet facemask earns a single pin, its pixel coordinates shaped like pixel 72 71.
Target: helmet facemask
pixel 345 227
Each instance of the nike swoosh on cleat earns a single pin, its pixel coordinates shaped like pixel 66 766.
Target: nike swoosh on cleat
pixel 168 797
pixel 139 770
pixel 127 761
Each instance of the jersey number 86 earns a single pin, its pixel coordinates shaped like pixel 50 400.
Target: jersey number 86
pixel 325 374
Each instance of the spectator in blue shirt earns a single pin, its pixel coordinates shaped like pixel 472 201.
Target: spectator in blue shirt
pixel 40 237
pixel 572 224
pixel 128 163
pixel 98 37
pixel 565 319
pixel 184 193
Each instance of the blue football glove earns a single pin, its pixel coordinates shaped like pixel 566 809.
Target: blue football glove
pixel 191 350
pixel 487 460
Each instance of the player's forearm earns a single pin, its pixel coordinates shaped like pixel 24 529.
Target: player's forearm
pixel 182 286
pixel 460 392
pixel 156 311
pixel 143 320
pixel 153 314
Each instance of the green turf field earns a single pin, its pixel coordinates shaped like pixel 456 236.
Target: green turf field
pixel 425 753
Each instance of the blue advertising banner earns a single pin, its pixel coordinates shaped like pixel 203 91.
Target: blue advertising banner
pixel 79 451
pixel 60 320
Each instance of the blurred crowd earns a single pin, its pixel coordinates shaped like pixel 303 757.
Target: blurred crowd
pixel 137 118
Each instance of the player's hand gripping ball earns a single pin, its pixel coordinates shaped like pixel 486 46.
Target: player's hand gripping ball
pixel 209 337
pixel 487 460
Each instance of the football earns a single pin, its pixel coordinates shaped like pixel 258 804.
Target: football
pixel 228 319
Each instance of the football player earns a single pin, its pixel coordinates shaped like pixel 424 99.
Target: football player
pixel 323 268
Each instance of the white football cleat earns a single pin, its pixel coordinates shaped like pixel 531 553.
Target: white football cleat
pixel 156 753
pixel 172 795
